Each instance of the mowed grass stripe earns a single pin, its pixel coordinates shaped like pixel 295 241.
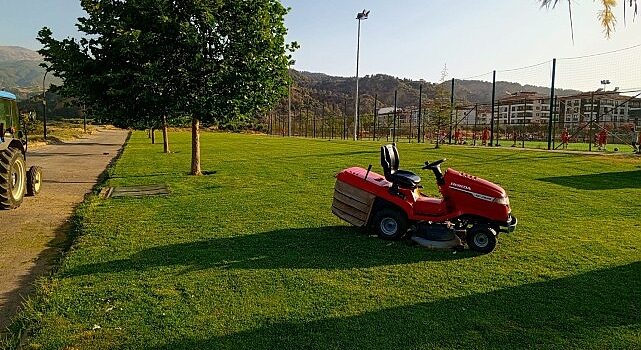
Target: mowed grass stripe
pixel 251 256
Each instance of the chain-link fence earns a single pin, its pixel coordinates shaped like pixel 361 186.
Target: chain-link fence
pixel 583 103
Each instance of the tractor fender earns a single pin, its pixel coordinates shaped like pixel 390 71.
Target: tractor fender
pixel 380 204
pixel 12 143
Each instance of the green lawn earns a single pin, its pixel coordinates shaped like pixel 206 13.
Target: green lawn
pixel 250 257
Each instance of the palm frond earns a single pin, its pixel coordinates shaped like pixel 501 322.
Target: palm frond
pixel 607 18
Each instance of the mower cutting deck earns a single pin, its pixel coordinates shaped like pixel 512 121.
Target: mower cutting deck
pixel 471 209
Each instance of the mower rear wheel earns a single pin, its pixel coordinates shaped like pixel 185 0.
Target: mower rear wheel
pixel 390 224
pixel 481 239
pixel 13 178
pixel 34 181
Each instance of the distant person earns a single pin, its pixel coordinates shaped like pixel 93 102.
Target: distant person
pixel 565 138
pixel 639 142
pixel 602 139
pixel 457 137
pixel 635 140
pixel 485 137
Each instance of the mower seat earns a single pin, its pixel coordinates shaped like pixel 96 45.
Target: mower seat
pixel 400 178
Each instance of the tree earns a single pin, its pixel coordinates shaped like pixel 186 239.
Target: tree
pixel 606 16
pixel 122 73
pixel 440 109
pixel 214 60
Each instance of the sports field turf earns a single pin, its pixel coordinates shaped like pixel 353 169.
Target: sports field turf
pixel 250 257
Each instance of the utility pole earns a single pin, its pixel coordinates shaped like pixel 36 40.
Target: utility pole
pixel 361 16
pixel 289 111
pixel 44 104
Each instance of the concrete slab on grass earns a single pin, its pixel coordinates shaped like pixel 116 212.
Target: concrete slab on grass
pixel 137 191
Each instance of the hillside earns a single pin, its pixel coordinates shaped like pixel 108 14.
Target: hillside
pixel 16 53
pixel 337 93
pixel 20 72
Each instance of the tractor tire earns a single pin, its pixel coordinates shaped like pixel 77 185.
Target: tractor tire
pixel 13 178
pixel 34 181
pixel 390 224
pixel 481 239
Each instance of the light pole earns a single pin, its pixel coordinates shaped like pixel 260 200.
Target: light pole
pixel 44 103
pixel 360 17
pixel 605 83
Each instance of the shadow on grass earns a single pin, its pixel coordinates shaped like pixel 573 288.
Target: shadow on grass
pixel 337 247
pixel 336 154
pixel 602 181
pixel 512 158
pixel 574 312
pixel 145 175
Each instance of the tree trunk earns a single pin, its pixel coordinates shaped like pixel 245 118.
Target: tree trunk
pixel 153 136
pixel 165 134
pixel 195 147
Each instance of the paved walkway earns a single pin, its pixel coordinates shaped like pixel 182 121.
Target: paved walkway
pixel 31 236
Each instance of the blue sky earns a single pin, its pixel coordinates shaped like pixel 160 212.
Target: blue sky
pixel 411 38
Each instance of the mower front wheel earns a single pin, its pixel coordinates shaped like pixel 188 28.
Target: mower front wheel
pixel 34 181
pixel 481 239
pixel 390 224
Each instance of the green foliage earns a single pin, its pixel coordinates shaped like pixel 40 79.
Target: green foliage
pixel 440 110
pixel 251 257
pixel 28 123
pixel 214 60
pixel 57 107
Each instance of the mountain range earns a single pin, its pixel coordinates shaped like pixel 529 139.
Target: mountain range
pixel 21 74
pixel 337 93
pixel 20 71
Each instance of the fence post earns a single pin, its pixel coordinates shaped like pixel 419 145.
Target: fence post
pixel 493 98
pixel 289 111
pixel 420 112
pixel 523 122
pixel 345 121
pixel 451 110
pixel 555 122
pixel 476 114
pixel 552 105
pixel 590 121
pixel 498 124
pixel 306 118
pixel 375 115
pixel 394 132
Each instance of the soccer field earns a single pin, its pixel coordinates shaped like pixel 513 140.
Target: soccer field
pixel 250 256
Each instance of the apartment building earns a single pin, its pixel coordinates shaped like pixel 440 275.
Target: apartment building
pixel 523 108
pixel 608 107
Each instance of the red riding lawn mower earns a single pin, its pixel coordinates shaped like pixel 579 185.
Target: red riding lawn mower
pixel 471 210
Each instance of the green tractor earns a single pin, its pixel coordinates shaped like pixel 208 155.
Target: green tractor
pixel 15 180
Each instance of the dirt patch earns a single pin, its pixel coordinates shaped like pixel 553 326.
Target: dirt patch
pixel 33 235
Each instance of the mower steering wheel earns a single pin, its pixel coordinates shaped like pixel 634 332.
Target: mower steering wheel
pixel 429 165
